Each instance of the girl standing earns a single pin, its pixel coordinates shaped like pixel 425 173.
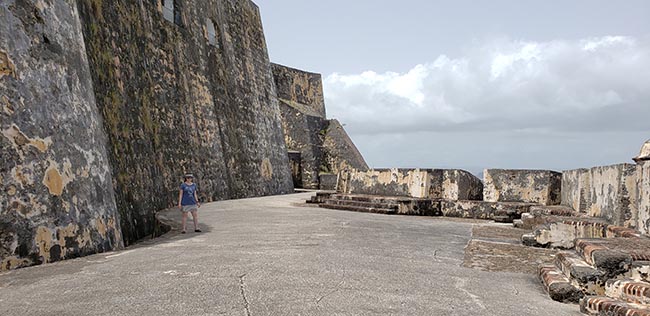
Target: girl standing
pixel 188 201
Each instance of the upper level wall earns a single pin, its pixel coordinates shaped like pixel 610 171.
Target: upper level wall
pixel 56 191
pixel 609 192
pixel 174 103
pixel 340 151
pixel 531 186
pixel 302 90
pixel 419 183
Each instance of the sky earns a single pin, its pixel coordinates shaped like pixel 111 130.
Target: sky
pixel 476 84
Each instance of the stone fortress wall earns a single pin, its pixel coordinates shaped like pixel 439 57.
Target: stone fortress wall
pixel 618 195
pixel 104 105
pixel 322 146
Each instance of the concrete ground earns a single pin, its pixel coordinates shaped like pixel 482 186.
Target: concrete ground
pixel 266 256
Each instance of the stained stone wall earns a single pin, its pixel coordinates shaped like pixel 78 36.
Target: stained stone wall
pixel 174 103
pixel 609 192
pixel 530 186
pixel 56 192
pixel 340 152
pixel 614 193
pixel 576 189
pixel 419 183
pixel 643 219
pixel 324 145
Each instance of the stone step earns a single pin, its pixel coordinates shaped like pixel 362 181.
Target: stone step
pixel 552 210
pixel 370 198
pixel 558 286
pixel 606 306
pixel 629 290
pixel 501 211
pixel 389 205
pixel 563 233
pixel 359 209
pixel 320 197
pixel 605 255
pixel 590 280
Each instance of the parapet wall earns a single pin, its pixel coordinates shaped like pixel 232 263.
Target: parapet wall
pixel 419 183
pixel 56 190
pixel 608 192
pixel 529 186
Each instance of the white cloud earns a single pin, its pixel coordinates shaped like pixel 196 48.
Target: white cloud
pixel 579 86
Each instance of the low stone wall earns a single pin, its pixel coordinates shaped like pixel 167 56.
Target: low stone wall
pixel 576 188
pixel 418 183
pixel 529 186
pixel 613 194
pixel 608 192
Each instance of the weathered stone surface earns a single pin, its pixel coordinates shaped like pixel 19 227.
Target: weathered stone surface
pixel 576 189
pixel 419 183
pixel 558 286
pixel 614 194
pixel 323 144
pixel 57 200
pixel 300 89
pixel 328 181
pixel 531 186
pixel 562 232
pixel 644 153
pixel 606 306
pixel 484 210
pixel 643 218
pixel 305 134
pixel 588 279
pixel 629 290
pixel 383 204
pixel 503 256
pixel 609 192
pixel 340 151
pixel 174 103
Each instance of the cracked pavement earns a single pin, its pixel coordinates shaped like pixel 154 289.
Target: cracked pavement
pixel 266 256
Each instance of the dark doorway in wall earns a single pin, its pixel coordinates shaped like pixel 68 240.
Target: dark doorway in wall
pixel 295 160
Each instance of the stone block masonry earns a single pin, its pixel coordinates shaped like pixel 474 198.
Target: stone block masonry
pixel 56 191
pixel 177 97
pixel 608 192
pixel 419 183
pixel 324 145
pixel 529 186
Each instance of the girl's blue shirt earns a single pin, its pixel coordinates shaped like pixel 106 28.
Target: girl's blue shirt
pixel 188 194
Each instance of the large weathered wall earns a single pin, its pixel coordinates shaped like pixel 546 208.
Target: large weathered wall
pixel 173 103
pixel 530 186
pixel 609 192
pixel 324 145
pixel 576 189
pixel 56 193
pixel 613 194
pixel 643 219
pixel 419 183
pixel 301 89
pixel 340 151
pixel 305 133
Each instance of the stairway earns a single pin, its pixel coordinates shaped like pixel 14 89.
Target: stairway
pixel 607 276
pixel 382 204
